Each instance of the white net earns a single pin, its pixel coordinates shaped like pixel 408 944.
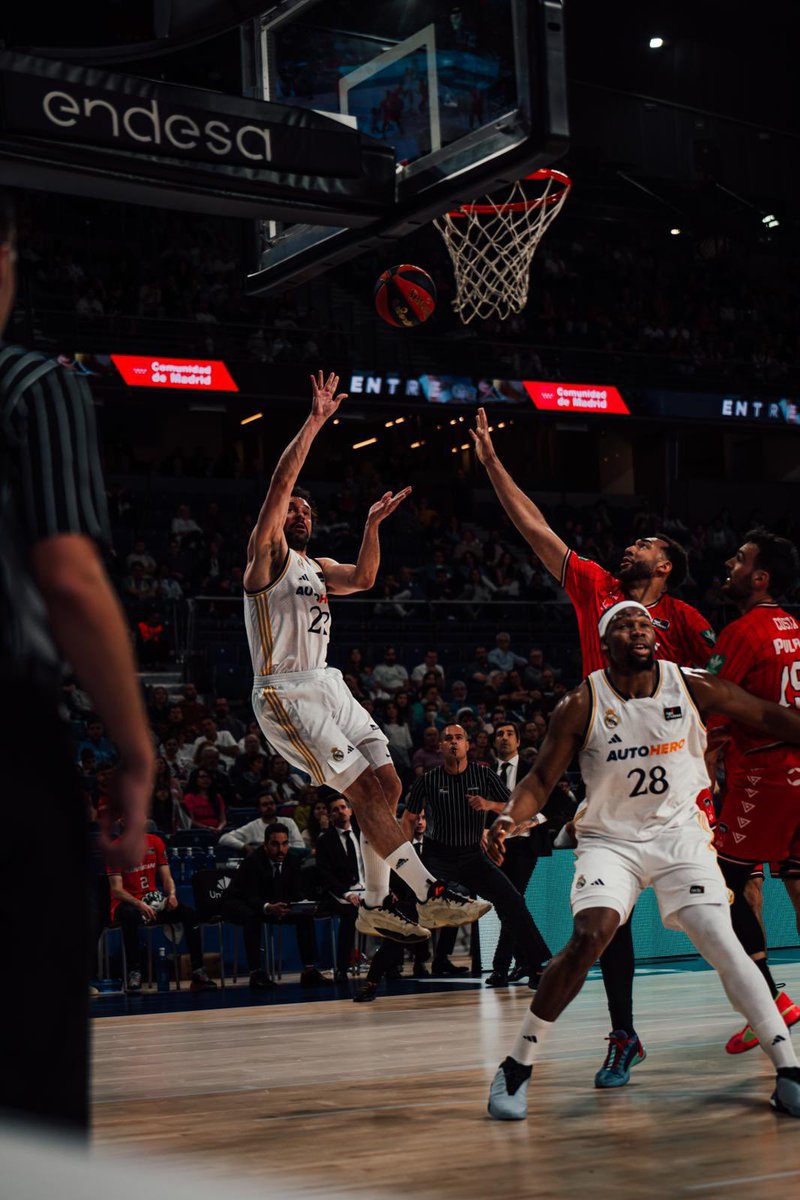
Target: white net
pixel 492 244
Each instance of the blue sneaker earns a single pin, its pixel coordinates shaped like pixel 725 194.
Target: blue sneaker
pixel 623 1053
pixel 508 1095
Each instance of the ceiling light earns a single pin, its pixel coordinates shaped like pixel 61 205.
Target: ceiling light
pixel 656 43
pixel 388 424
pixel 675 231
pixel 254 417
pixel 367 442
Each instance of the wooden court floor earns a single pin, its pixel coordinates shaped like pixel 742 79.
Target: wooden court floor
pixel 388 1099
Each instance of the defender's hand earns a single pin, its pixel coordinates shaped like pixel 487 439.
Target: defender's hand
pixel 325 401
pixel 495 844
pixel 484 447
pixel 384 507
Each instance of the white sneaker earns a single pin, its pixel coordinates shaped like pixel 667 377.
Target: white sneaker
pixel 446 906
pixel 387 921
pixel 508 1095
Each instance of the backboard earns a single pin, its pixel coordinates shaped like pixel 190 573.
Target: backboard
pixel 469 96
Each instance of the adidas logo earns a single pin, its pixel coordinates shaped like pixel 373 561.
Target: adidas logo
pixel 401 862
pixel 778 1038
pixel 531 1037
pixel 615 739
pixel 597 883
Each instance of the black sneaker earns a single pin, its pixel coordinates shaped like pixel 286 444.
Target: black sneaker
pixel 260 981
pixel 447 906
pixel 449 970
pixel 201 982
pixel 497 980
pixel 368 991
pixel 518 974
pixel 312 977
pixel 387 920
pixel 786 1097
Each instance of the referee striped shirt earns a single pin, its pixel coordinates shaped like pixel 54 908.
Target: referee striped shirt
pixel 52 484
pixel 445 799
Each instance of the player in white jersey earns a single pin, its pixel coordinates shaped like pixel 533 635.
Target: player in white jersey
pixel 638 731
pixel 304 708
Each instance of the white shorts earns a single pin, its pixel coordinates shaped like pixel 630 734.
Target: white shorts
pixel 313 720
pixel 679 864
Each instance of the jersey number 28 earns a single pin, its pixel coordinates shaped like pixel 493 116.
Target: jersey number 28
pixel 658 782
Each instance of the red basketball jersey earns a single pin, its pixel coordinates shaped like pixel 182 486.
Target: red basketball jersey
pixel 761 652
pixel 683 635
pixel 144 878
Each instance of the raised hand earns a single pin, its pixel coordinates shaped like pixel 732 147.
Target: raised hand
pixel 480 435
pixel 384 507
pixel 325 401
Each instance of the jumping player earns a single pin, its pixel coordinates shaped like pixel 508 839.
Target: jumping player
pixel 760 818
pixel 642 827
pixel 649 567
pixel 305 710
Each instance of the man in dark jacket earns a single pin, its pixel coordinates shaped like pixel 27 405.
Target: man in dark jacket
pixel 264 888
pixel 340 877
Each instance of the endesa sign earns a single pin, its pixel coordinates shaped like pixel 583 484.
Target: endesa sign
pixel 186 374
pixel 576 397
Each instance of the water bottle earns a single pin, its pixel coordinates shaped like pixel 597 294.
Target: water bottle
pixel 188 864
pixel 162 970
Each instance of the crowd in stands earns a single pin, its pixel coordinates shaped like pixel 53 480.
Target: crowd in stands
pixel 701 311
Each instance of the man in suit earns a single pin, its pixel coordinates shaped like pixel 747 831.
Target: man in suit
pixel 264 888
pixel 522 852
pixel 340 877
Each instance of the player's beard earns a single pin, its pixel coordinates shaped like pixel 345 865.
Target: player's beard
pixel 740 591
pixel 636 665
pixel 635 572
pixel 297 539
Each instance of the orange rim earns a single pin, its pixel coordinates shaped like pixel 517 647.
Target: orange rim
pixel 465 210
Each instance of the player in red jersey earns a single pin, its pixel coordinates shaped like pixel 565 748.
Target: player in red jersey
pixel 146 895
pixel 760 818
pixel 649 566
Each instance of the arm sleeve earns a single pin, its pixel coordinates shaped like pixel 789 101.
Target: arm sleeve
pixel 62 482
pixel 699 638
pixel 415 801
pixel 581 578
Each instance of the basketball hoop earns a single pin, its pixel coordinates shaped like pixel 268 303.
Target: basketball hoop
pixel 491 245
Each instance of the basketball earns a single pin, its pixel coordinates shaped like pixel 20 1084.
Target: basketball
pixel 405 295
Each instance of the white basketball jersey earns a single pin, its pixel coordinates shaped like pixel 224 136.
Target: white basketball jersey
pixel 288 622
pixel 642 760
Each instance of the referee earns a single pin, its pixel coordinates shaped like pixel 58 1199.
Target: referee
pixel 453 845
pixel 55 600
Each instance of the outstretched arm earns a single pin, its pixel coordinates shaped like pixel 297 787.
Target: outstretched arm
pixel 267 547
pixel 563 739
pixel 528 519
pixel 343 578
pixel 712 694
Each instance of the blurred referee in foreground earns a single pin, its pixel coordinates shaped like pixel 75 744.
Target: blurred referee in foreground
pixel 55 601
pixel 453 848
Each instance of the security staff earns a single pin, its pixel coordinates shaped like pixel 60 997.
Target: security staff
pixel 453 846
pixel 55 600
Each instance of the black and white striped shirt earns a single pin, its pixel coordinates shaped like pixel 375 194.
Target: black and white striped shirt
pixel 52 484
pixel 445 799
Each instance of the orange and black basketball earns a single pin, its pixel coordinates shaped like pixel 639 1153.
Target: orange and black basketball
pixel 405 295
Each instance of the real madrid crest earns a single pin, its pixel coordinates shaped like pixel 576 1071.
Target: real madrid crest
pixel 336 754
pixel 610 719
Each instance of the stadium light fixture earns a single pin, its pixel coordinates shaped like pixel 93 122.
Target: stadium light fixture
pixel 656 43
pixel 250 419
pixel 367 442
pixel 675 231
pixel 771 221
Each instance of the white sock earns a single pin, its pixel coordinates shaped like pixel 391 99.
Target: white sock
pixel 709 927
pixel 376 874
pixel 528 1046
pixel 406 863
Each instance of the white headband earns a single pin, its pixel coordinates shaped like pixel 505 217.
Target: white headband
pixel 610 614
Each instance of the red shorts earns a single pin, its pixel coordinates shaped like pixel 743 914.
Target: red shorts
pixel 760 818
